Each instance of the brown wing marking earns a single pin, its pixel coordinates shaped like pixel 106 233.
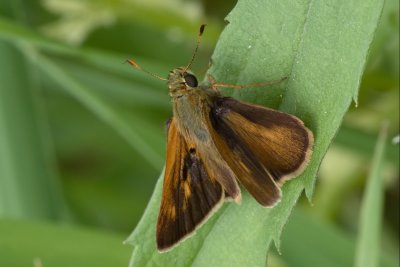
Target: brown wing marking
pixel 262 146
pixel 279 140
pixel 189 194
pixel 243 163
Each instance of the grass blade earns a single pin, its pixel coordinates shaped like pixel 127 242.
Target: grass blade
pixel 28 186
pixel 101 108
pixel 368 243
pixel 23 242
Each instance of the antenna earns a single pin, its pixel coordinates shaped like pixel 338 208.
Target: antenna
pixel 197 45
pixel 135 65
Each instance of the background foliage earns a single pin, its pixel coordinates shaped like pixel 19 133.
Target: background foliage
pixel 82 138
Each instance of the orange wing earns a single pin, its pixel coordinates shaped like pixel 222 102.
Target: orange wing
pixel 189 194
pixel 264 147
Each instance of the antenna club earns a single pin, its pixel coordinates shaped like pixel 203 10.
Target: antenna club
pixel 202 27
pixel 133 63
pixel 197 46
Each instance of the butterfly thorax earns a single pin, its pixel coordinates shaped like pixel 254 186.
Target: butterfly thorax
pixel 191 103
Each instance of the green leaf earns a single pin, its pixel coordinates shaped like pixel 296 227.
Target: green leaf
pixel 109 114
pixel 363 143
pixel 29 185
pixel 304 233
pixel 368 243
pixel 322 48
pixel 22 243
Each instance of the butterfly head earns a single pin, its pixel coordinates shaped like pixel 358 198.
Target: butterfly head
pixel 180 80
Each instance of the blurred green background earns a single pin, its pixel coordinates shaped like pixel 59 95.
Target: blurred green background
pixel 82 134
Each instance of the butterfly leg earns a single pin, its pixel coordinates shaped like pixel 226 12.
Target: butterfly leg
pixel 214 84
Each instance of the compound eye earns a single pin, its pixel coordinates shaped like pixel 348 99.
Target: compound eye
pixel 190 80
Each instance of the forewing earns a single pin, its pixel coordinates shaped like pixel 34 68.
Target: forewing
pixel 267 146
pixel 279 140
pixel 189 194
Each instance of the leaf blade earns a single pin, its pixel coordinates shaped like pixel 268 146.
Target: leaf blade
pixel 29 183
pixel 256 46
pixel 101 108
pixel 23 242
pixel 368 243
